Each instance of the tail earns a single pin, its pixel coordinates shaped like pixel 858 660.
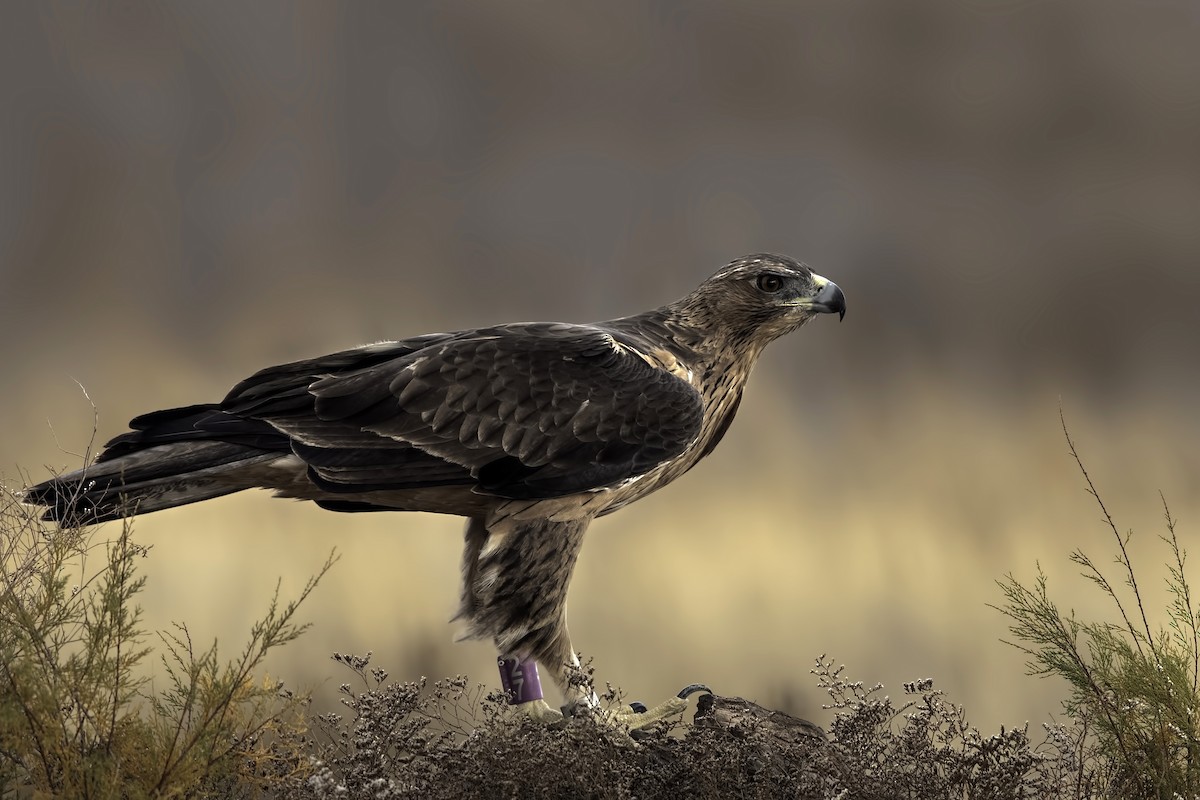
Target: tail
pixel 171 458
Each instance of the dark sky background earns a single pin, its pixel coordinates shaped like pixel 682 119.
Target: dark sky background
pixel 1008 193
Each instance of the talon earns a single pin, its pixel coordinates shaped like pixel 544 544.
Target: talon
pixel 638 707
pixel 692 689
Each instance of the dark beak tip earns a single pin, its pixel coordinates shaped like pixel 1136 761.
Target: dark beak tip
pixel 832 300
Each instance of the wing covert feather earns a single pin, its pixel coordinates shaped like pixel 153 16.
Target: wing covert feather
pixel 532 411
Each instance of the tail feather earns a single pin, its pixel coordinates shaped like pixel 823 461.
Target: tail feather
pixel 172 458
pixel 159 477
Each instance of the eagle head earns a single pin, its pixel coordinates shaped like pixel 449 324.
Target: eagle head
pixel 760 297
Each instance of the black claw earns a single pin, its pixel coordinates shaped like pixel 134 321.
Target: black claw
pixel 692 689
pixel 638 707
pixel 570 710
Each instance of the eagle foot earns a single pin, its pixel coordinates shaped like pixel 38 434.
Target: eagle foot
pixel 636 716
pixel 540 712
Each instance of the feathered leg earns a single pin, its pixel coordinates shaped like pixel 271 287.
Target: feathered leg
pixel 515 578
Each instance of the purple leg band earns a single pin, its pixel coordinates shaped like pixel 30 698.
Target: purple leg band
pixel 520 679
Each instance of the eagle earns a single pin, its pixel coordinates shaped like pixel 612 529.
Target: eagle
pixel 528 430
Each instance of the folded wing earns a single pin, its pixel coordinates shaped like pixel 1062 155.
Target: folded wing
pixel 524 411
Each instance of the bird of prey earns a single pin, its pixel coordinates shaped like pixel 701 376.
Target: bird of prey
pixel 529 430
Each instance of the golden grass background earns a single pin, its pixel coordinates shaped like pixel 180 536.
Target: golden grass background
pixel 1007 193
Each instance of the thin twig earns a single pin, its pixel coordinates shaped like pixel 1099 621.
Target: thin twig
pixel 1125 559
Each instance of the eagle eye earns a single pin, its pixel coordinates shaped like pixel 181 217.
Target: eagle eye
pixel 769 283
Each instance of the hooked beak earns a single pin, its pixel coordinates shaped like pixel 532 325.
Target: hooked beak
pixel 830 299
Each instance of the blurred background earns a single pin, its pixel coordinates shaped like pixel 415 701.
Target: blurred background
pixel 1008 193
